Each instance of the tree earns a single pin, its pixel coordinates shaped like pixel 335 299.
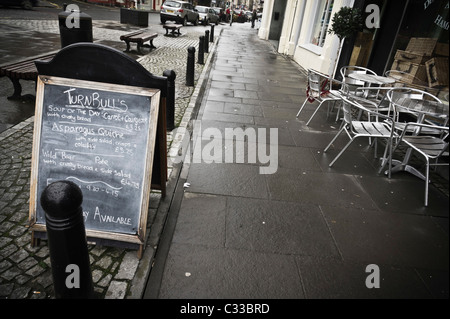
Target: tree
pixel 345 23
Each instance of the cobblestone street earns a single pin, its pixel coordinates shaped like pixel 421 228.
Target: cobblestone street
pixel 25 270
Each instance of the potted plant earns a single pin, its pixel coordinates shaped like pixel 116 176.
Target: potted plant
pixel 345 23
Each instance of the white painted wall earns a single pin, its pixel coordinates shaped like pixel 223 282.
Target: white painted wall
pixel 298 24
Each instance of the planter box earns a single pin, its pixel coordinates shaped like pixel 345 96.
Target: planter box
pixel 134 17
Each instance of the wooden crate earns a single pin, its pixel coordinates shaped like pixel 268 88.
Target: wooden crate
pixel 434 91
pixel 412 57
pixel 437 71
pixel 422 45
pixel 413 73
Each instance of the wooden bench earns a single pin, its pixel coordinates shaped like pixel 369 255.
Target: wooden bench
pixel 139 37
pixel 175 28
pixel 23 70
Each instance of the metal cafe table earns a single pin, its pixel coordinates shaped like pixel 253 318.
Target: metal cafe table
pixel 371 79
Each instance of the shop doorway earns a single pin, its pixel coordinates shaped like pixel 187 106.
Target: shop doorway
pixel 276 22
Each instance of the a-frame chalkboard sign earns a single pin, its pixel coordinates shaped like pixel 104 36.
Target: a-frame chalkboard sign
pixel 100 123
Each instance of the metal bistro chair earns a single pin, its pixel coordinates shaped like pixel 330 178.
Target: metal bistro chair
pixel 353 84
pixel 382 127
pixel 404 100
pixel 319 89
pixel 429 147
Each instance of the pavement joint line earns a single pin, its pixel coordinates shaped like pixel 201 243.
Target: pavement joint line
pixel 192 109
pixel 145 267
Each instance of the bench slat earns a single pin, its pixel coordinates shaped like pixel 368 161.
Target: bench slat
pixel 128 35
pixel 18 68
pixel 23 70
pixel 24 63
pixel 173 27
pixel 8 69
pixel 40 57
pixel 143 37
pixel 20 74
pixel 139 37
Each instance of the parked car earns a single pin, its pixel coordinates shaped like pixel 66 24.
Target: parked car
pixel 179 12
pixel 25 4
pixel 248 16
pixel 207 15
pixel 220 12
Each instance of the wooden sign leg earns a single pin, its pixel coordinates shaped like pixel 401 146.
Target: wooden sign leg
pixel 34 241
pixel 140 251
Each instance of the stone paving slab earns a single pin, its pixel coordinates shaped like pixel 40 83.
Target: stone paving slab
pixel 307 230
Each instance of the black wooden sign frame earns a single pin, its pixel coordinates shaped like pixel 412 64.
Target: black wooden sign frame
pixel 126 134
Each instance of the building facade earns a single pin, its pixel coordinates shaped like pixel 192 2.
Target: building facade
pixel 299 28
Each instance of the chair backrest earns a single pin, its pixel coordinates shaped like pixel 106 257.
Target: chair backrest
pixel 347 104
pixel 318 83
pixel 347 110
pixel 397 95
pixel 314 81
pixel 346 70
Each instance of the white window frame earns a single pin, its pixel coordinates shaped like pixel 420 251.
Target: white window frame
pixel 317 49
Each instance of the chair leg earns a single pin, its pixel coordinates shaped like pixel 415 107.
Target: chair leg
pixel 388 160
pixel 427 180
pixel 337 114
pixel 329 110
pixel 334 138
pixel 303 105
pixel 317 109
pixel 375 147
pixel 384 159
pixel 341 152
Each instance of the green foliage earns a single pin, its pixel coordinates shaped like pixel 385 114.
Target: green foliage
pixel 346 22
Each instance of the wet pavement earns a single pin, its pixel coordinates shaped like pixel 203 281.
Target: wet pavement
pixel 307 230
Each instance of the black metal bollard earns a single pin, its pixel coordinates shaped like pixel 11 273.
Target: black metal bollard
pixel 211 38
pixel 190 67
pixel 206 41
pixel 66 234
pixel 201 48
pixel 170 102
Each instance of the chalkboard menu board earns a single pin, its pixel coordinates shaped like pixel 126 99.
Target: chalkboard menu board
pixel 100 136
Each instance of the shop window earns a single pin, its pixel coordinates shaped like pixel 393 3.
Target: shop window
pixel 420 52
pixel 321 22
